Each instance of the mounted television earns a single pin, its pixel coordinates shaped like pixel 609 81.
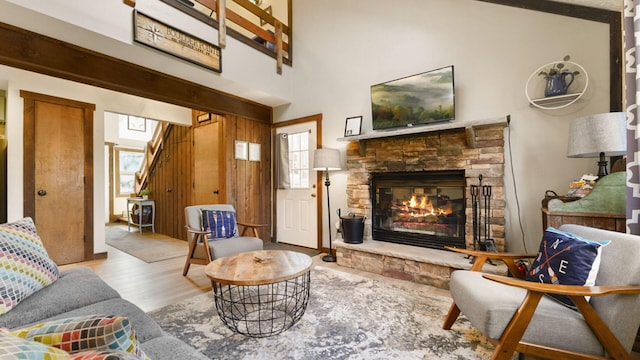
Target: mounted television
pixel 414 100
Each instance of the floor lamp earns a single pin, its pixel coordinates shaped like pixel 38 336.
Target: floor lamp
pixel 327 160
pixel 595 136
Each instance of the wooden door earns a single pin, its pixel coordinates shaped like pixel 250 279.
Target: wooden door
pixel 58 171
pixel 206 162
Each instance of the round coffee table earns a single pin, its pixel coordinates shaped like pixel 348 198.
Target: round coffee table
pixel 261 293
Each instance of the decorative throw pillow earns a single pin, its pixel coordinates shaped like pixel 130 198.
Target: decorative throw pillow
pixel 92 332
pixel 103 355
pixel 220 224
pixel 13 347
pixel 566 259
pixel 25 266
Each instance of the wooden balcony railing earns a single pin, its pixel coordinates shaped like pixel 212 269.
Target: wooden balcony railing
pixel 247 23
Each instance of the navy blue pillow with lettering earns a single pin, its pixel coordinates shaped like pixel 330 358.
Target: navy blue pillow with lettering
pixel 566 259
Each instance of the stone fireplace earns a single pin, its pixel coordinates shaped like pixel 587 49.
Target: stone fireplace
pixel 469 149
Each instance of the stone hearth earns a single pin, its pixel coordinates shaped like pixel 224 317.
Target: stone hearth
pixel 475 147
pixel 411 263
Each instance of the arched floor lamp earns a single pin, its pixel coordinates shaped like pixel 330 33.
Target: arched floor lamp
pixel 326 160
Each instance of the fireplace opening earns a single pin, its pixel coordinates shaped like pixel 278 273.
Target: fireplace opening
pixel 425 208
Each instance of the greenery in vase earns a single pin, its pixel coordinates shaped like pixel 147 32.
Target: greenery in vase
pixel 145 192
pixel 558 68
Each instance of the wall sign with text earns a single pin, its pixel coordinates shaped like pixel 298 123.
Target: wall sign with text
pixel 165 38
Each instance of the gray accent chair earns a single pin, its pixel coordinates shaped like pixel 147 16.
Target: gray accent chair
pixel 515 315
pixel 217 248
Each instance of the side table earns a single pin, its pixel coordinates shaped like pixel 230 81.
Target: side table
pixel 141 204
pixel 261 293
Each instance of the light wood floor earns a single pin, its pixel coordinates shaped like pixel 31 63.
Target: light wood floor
pixel 154 285
pixel 150 286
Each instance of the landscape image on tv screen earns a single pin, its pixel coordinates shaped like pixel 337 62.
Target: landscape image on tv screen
pixel 419 99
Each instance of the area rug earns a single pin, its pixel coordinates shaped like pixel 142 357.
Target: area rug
pixel 148 246
pixel 348 317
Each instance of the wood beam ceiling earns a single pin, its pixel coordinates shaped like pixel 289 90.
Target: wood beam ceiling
pixel 31 51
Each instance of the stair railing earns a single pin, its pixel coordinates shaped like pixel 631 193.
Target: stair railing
pixel 152 152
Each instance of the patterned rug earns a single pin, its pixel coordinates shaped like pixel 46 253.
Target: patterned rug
pixel 348 317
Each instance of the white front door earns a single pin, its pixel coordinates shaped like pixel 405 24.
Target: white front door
pixel 297 207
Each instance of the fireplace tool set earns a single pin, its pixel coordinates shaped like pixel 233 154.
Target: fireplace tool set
pixel 483 191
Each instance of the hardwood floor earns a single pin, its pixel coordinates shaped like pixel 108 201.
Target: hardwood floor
pixel 154 285
pixel 148 285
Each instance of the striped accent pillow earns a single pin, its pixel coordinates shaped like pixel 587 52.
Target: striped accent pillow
pixel 95 333
pixel 25 266
pixel 219 223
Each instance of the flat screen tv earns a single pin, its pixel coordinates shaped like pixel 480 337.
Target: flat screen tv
pixel 414 100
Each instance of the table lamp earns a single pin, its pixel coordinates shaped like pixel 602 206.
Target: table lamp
pixel 598 135
pixel 326 160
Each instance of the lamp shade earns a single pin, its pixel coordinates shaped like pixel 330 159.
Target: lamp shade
pixel 601 133
pixel 326 159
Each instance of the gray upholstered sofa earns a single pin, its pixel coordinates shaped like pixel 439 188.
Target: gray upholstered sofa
pixel 79 291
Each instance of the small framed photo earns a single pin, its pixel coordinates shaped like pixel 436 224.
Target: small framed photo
pixel 136 123
pixel 204 117
pixel 353 126
pixel 254 152
pixel 242 150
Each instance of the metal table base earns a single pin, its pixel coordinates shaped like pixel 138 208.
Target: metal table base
pixel 262 310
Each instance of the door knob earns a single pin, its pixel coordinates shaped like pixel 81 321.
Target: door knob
pixel 313 195
pixel 42 192
pixel 216 192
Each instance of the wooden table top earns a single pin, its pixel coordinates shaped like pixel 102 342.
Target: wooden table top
pixel 258 267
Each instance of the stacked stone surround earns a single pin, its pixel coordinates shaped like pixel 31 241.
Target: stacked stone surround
pixel 477 151
pixel 405 262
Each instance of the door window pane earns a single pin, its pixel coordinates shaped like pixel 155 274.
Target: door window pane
pixel 299 160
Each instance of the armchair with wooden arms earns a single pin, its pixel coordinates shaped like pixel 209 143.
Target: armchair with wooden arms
pixel 516 317
pixel 200 239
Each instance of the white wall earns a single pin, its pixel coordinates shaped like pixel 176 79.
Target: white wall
pixel 18 80
pixel 340 54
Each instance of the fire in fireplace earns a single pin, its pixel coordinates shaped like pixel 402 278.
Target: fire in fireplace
pixel 425 208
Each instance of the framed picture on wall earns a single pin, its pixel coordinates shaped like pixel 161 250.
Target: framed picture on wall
pixel 242 150
pixel 254 152
pixel 353 126
pixel 137 123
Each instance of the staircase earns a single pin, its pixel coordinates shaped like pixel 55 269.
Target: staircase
pixel 152 153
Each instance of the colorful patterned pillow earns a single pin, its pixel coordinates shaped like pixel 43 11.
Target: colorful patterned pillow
pixel 13 347
pixel 103 355
pixel 92 332
pixel 566 259
pixel 221 224
pixel 25 266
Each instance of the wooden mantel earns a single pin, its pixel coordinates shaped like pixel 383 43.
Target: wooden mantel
pixel 469 127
